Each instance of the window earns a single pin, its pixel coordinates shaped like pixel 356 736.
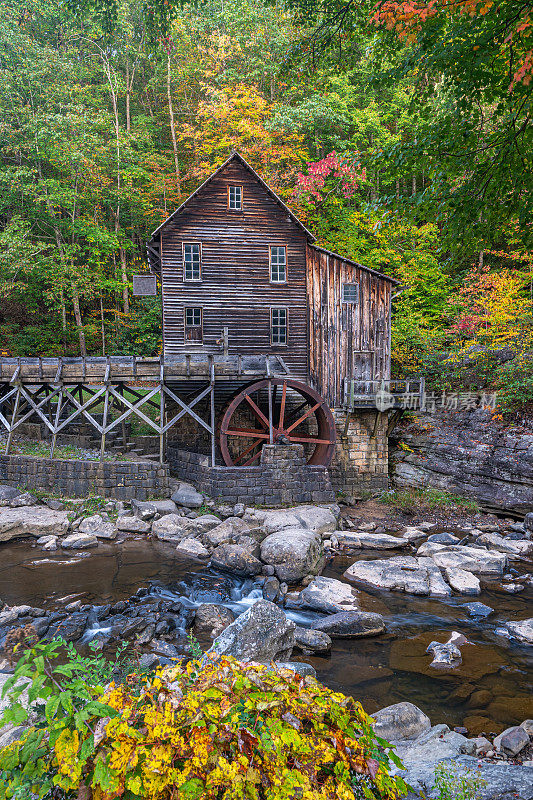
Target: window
pixel 278 264
pixel 235 198
pixel 278 326
pixel 350 293
pixel 193 325
pixel 192 262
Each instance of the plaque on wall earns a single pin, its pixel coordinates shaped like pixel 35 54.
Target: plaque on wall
pixel 144 285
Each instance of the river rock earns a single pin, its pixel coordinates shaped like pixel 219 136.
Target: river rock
pixel 24 499
pixel 8 493
pixel 99 526
pixel 32 521
pixel 313 518
pixel 400 721
pixel 145 510
pixel 170 528
pixel 193 548
pixel 471 559
pixel 514 548
pixel 132 524
pixel 71 628
pixel 293 552
pixel 479 610
pixel 463 582
pixel 164 507
pixel 236 559
pixel 263 633
pixel 79 541
pixel 447 654
pixel 329 596
pixel 352 624
pixel 417 576
pixel 379 541
pixel 226 531
pixel 500 781
pixel 312 640
pixel 187 496
pixel 300 667
pixel 512 740
pixel 521 630
pixel 528 521
pixel 210 620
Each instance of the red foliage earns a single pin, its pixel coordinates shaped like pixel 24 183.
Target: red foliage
pixel 348 173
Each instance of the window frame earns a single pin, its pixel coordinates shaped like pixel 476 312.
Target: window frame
pixel 200 326
pixel 183 246
pixel 286 342
pixel 285 280
pixel 235 186
pixel 357 299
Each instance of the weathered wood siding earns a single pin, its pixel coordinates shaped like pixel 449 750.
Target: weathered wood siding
pixel 346 340
pixel 235 290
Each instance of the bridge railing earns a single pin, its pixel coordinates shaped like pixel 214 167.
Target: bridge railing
pixel 383 395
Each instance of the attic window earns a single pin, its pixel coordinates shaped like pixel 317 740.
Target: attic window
pixel 235 198
pixel 350 293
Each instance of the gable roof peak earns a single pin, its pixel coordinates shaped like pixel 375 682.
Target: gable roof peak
pixel 235 154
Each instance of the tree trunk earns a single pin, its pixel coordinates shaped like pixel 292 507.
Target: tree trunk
pixel 414 185
pixel 128 95
pixel 123 267
pixel 173 129
pixel 77 317
pixel 102 325
pixel 397 189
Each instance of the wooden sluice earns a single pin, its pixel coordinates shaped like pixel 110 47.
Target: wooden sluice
pixel 60 391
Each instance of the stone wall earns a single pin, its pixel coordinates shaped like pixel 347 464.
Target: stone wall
pixel 470 454
pixel 360 462
pixel 282 477
pixel 121 480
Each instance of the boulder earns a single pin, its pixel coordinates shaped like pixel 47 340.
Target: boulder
pixel 271 589
pixel 380 541
pixel 171 528
pixel 352 624
pixel 210 620
pixel 400 721
pixel 443 538
pixel 192 548
pixel 71 628
pixel 293 552
pixel 472 559
pixel 187 496
pixel 24 499
pixel 521 630
pixel 79 541
pixel 300 667
pixel 98 525
pixel 312 641
pixel 417 576
pixel 329 596
pixel 145 510
pixel 413 534
pixel 527 725
pixel 236 559
pixel 132 524
pixel 163 507
pixel 313 518
pixel 528 521
pixel 516 549
pixel 32 521
pixel 8 493
pixel 511 741
pixel 262 633
pixel 463 582
pixel 226 531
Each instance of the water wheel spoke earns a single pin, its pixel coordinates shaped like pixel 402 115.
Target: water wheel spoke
pixel 310 439
pixel 294 413
pixel 249 432
pixel 257 411
pixel 245 453
pixel 252 459
pixel 303 417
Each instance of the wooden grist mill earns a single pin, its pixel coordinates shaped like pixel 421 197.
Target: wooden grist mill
pixel 268 339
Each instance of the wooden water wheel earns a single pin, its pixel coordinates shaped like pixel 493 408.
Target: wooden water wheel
pixel 282 411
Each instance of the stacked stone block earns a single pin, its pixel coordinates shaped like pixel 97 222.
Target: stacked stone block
pixel 360 463
pixel 282 477
pixel 120 480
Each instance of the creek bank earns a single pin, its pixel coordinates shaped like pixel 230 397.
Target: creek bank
pixel 469 454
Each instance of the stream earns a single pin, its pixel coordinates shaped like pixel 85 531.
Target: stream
pixel 496 676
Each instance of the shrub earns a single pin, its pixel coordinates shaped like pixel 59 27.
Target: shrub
pixel 454 783
pixel 214 728
pixel 424 501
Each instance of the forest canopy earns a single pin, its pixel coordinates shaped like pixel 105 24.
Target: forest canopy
pixel 400 132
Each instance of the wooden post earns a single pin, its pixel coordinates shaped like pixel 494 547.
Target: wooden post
pixel 161 411
pixel 422 400
pixel 212 408
pixel 376 424
pixel 270 421
pixel 56 422
pixel 106 409
pixel 13 420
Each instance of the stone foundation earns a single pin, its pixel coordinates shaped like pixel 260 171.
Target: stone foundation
pixel 282 478
pixel 121 480
pixel 360 463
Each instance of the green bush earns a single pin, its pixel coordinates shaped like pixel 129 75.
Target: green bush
pixel 213 728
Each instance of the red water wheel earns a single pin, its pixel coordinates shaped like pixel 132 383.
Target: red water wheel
pixel 278 410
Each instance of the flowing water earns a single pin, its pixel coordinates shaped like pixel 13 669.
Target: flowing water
pixel 496 676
